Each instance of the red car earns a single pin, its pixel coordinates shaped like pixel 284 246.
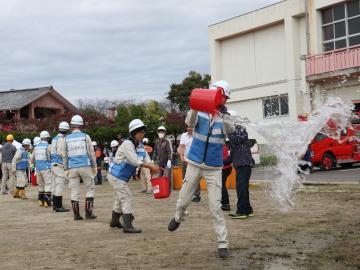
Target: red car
pixel 328 152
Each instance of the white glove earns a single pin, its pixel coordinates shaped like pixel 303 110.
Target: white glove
pixel 168 164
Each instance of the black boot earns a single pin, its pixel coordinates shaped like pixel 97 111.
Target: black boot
pixel 54 202
pixel 173 225
pixel 128 227
pixel 89 205
pixel 59 206
pixel 76 210
pixel 41 198
pixel 115 220
pixel 47 199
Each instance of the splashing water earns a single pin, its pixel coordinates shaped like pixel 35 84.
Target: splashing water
pixel 289 140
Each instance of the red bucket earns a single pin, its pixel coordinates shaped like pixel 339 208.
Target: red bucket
pixel 206 100
pixel 160 187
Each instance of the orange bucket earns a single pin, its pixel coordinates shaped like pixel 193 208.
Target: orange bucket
pixel 206 100
pixel 160 187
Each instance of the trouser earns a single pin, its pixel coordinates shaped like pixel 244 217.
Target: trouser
pixel 58 183
pixel 145 176
pixel 8 177
pixel 21 178
pixel 165 171
pixel 224 191
pixel 75 175
pixel 123 200
pixel 44 180
pixel 213 184
pixel 184 166
pixel 243 174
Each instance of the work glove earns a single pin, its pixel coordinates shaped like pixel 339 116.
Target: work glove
pixel 168 164
pixel 94 171
pixel 13 170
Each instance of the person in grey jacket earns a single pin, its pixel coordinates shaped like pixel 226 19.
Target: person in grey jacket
pixel 7 153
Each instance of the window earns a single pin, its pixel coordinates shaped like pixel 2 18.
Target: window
pixel 275 106
pixel 341 25
pixel 319 137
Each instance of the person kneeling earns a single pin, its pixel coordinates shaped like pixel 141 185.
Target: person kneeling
pixel 128 157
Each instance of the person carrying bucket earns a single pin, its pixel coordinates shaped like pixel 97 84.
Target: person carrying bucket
pixel 205 159
pixel 129 156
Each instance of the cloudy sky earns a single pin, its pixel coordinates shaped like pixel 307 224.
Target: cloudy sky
pixel 123 49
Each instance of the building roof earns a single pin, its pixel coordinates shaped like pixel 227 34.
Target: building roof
pixel 17 99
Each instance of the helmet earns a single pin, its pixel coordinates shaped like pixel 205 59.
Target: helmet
pixel 145 140
pixel 114 143
pixel 26 142
pixel 161 128
pixel 224 85
pixel 232 113
pixel 36 140
pixel 94 143
pixel 135 124
pixel 10 137
pixel 64 126
pixel 77 120
pixel 44 134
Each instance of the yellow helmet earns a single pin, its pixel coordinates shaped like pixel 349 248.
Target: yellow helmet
pixel 9 137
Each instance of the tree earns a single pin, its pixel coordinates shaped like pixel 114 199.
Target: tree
pixel 179 93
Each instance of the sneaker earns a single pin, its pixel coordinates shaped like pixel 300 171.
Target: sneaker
pixel 251 214
pixel 237 215
pixel 196 199
pixel 173 225
pixel 225 207
pixel 223 253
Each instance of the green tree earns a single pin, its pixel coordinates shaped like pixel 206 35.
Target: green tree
pixel 179 93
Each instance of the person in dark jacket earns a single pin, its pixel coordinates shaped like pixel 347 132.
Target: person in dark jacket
pixel 243 162
pixel 226 171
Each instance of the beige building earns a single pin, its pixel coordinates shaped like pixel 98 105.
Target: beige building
pixel 281 59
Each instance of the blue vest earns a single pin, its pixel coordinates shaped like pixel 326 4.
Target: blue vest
pixel 208 140
pixel 23 164
pixel 55 157
pixel 42 159
pixel 125 170
pixel 77 150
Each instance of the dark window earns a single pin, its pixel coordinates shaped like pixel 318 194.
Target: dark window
pixel 327 16
pixel 328 32
pixel 353 8
pixel 354 40
pixel 340 30
pixel 284 106
pixel 339 12
pixel 354 26
pixel 329 46
pixel 275 110
pixel 275 106
pixel 267 108
pixel 340 44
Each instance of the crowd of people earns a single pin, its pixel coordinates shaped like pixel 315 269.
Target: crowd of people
pixel 210 148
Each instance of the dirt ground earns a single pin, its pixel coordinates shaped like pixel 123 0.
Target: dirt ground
pixel 321 232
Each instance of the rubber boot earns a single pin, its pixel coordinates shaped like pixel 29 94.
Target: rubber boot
pixel 41 198
pixel 47 199
pixel 89 205
pixel 115 220
pixel 59 207
pixel 16 193
pixel 22 194
pixel 76 209
pixel 128 227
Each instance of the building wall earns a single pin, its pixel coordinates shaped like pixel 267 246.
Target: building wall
pixel 48 101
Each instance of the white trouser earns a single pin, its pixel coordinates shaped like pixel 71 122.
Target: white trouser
pixel 21 178
pixel 58 180
pixel 84 173
pixel 145 176
pixel 123 200
pixel 44 179
pixel 213 184
pixel 8 176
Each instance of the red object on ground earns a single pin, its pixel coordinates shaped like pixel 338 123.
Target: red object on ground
pixel 33 179
pixel 160 187
pixel 206 100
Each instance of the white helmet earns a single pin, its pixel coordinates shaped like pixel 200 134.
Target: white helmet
pixel 26 142
pixel 94 143
pixel 77 120
pixel 232 113
pixel 135 124
pixel 36 140
pixel 44 134
pixel 145 140
pixel 161 128
pixel 224 85
pixel 64 126
pixel 114 143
